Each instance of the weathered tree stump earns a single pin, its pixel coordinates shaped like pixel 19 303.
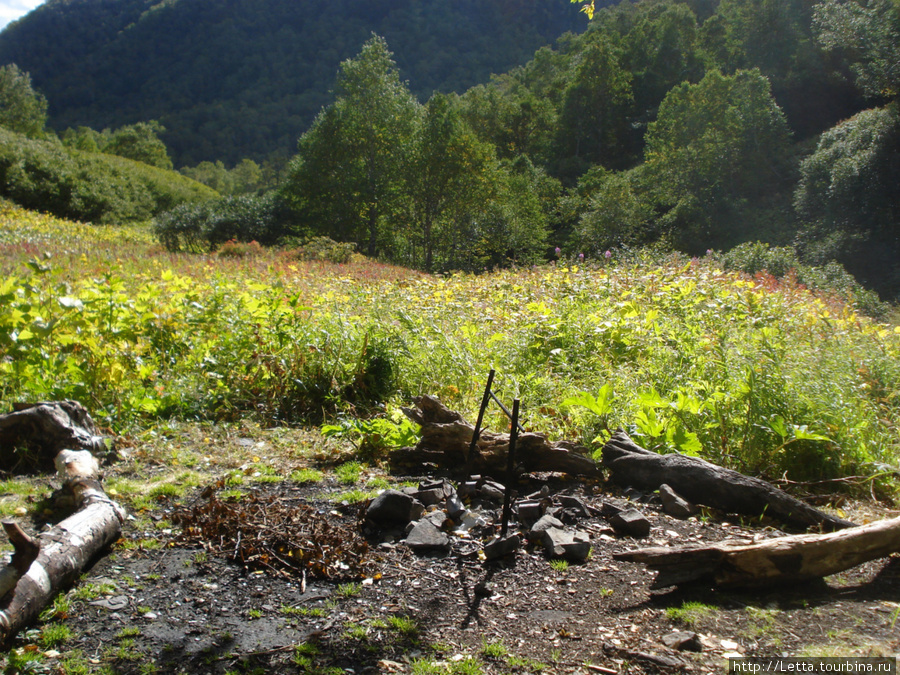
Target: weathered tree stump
pixel 791 559
pixel 446 437
pixel 702 482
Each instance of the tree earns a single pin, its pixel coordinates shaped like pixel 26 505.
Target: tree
pixel 451 174
pixel 847 196
pixel 593 117
pixel 868 32
pixel 347 180
pixel 141 143
pixel 714 145
pixel 22 109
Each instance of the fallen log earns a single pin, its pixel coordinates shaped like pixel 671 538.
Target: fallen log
pixel 783 560
pixel 446 437
pixel 702 482
pixel 46 429
pixel 43 566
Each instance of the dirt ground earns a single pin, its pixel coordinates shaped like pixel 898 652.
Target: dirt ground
pixel 179 608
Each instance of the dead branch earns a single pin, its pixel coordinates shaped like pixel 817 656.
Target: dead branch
pixel 783 560
pixel 702 482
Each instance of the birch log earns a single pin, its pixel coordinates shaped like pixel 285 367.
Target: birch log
pixel 63 551
pixel 791 559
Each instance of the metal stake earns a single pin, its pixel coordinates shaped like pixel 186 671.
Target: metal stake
pixel 510 467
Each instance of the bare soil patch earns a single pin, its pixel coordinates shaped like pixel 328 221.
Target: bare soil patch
pixel 180 608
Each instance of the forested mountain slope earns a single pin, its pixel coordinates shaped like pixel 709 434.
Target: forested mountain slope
pixel 230 79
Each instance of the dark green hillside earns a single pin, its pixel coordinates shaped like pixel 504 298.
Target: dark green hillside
pixel 231 79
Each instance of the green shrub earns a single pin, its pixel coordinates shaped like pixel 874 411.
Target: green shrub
pixel 327 250
pixel 207 225
pixel 90 187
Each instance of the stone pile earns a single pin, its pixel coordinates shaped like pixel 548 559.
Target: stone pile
pixel 436 516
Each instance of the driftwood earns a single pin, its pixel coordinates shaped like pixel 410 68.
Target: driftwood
pixel 446 436
pixel 44 565
pixel 46 429
pixel 704 483
pixel 792 559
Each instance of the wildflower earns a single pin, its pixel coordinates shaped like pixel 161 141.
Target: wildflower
pixel 608 254
pixel 581 257
pixel 557 250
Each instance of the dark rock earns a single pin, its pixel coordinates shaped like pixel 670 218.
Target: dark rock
pixel 574 546
pixel 437 518
pixel 674 504
pixel 575 505
pixel 429 497
pixel 544 523
pixel 424 535
pixel 392 507
pixel 530 511
pixel 631 522
pixel 683 641
pixel 501 547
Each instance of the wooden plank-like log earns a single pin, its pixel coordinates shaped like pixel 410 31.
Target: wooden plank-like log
pixel 782 560
pixel 445 438
pixel 702 482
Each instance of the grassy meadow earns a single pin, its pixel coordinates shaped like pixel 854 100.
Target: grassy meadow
pixel 757 374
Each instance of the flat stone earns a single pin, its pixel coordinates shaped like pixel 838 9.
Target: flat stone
pixel 430 496
pixel 392 507
pixel 631 522
pixel 424 535
pixel 502 547
pixel 675 505
pixel 573 546
pixel 530 511
pixel 683 641
pixel 491 490
pixel 437 518
pixel 575 504
pixel 545 522
pixel 114 604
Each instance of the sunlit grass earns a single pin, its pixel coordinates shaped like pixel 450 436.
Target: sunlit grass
pixel 756 374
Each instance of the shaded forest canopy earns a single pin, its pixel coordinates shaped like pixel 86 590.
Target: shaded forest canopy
pixel 236 79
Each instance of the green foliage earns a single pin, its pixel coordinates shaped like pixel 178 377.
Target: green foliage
pixel 847 197
pixel 242 79
pixel 714 144
pixel 868 33
pixel 141 143
pixel 326 249
pixel 754 373
pixel 204 226
pixel 245 177
pixel 22 109
pixel 46 176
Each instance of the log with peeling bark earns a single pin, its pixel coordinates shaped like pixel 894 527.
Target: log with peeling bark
pixel 702 482
pixel 446 437
pixel 790 559
pixel 49 563
pixel 48 428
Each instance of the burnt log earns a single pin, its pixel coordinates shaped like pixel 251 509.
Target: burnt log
pixel 45 429
pixel 446 437
pixel 783 560
pixel 702 482
pixel 51 562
